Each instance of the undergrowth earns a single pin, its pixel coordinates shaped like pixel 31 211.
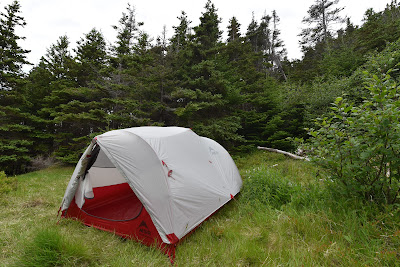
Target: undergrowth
pixel 336 230
pixel 266 186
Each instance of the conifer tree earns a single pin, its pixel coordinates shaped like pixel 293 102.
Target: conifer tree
pixel 264 34
pixel 59 64
pixel 203 99
pixel 207 34
pixel 277 49
pixel 82 107
pixel 321 15
pixel 123 83
pixel 91 57
pixel 12 56
pixel 15 119
pixel 59 61
pixel 264 43
pixel 234 47
pixel 181 48
pixel 181 36
pixel 233 30
pixel 127 31
pixel 252 33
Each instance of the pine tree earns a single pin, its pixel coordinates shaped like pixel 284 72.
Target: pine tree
pixel 127 31
pixel 277 49
pixel 59 61
pixel 123 84
pixel 252 34
pixel 204 96
pixel 182 34
pixel 264 43
pixel 207 34
pixel 57 68
pixel 162 77
pixel 233 30
pixel 91 57
pixel 15 119
pixel 321 15
pixel 12 56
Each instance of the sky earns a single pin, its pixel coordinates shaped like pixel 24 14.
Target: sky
pixel 47 20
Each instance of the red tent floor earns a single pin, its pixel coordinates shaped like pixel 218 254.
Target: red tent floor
pixel 114 202
pixel 117 209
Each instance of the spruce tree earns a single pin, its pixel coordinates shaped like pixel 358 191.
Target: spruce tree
pixel 321 15
pixel 203 97
pixel 91 57
pixel 181 36
pixel 379 28
pixel 207 34
pixel 264 43
pixel 128 54
pixel 252 34
pixel 234 46
pixel 15 119
pixel 59 61
pixel 277 48
pixel 12 56
pixel 181 48
pixel 233 30
pixel 82 107
pixel 160 79
pixel 59 64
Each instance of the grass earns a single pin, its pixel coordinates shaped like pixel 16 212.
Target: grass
pixel 284 216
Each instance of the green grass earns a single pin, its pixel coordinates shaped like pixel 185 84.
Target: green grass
pixel 284 216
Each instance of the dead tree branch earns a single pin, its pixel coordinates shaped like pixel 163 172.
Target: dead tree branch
pixel 290 155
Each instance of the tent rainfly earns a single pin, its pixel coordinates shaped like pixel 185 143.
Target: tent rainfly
pixel 152 184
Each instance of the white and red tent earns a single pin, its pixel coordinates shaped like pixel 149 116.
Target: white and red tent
pixel 153 184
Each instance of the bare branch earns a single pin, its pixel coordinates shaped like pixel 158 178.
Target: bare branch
pixel 290 155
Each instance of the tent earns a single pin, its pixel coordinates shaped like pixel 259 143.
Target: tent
pixel 152 184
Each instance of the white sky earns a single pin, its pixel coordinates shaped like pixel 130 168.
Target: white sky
pixel 49 19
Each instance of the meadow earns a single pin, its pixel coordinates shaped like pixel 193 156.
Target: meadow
pixel 287 214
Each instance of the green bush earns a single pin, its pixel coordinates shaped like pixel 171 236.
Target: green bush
pixel 359 145
pixel 7 184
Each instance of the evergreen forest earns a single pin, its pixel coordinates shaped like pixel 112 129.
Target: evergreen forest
pixel 241 91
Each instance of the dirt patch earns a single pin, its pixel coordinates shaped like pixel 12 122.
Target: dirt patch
pixel 35 203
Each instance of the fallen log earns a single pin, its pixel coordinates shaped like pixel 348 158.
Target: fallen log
pixel 290 155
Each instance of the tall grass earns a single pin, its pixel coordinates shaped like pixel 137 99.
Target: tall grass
pixel 50 248
pixel 284 216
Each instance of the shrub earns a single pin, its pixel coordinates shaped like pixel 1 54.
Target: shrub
pixel 359 145
pixel 7 184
